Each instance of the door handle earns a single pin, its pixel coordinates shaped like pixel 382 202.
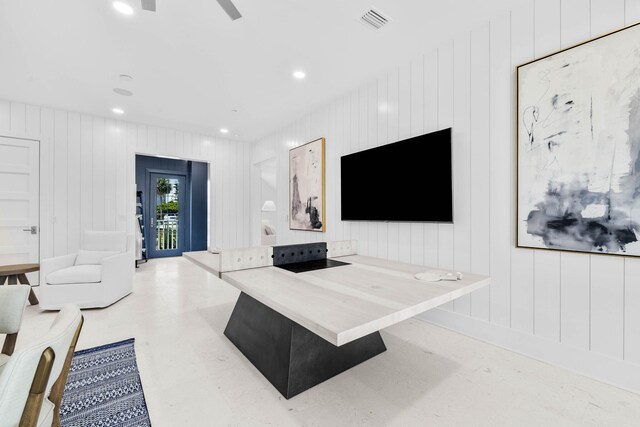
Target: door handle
pixel 33 229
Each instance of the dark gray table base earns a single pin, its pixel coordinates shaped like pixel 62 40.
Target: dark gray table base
pixel 290 356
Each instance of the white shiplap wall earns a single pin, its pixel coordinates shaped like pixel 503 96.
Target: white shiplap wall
pixel 575 310
pixel 87 173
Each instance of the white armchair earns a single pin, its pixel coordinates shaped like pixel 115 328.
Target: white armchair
pixel 100 274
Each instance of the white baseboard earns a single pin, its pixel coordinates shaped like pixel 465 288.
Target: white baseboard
pixel 616 372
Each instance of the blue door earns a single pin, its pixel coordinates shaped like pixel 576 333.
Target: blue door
pixel 167 215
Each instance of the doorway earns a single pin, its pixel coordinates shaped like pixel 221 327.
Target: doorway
pixel 174 205
pixel 268 206
pixel 19 202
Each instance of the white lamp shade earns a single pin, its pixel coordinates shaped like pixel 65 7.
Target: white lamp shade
pixel 269 206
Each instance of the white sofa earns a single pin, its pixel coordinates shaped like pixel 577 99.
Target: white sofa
pixel 100 274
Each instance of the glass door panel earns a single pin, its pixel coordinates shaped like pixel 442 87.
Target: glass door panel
pixel 167 215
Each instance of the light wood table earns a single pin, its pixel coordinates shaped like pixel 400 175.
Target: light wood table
pixel 335 312
pixel 17 273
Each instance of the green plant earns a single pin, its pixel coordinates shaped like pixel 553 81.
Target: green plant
pixel 170 207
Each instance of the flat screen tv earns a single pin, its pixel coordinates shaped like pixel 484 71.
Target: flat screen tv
pixel 407 181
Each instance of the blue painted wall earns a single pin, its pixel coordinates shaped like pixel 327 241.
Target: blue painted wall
pixel 195 213
pixel 199 187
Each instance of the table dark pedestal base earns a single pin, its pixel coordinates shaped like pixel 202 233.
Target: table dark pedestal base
pixel 290 356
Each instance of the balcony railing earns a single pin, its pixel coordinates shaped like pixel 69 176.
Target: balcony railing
pixel 166 234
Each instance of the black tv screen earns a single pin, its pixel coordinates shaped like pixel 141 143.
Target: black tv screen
pixel 409 180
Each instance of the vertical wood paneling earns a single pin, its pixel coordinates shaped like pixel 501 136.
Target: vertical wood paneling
pixel 393 134
pixel 607 305
pixel 46 182
pixel 161 142
pixel 383 138
pixel 130 195
pixel 445 120
pixel 417 127
pixel 33 120
pixel 404 131
pixel 445 93
pixel 461 152
pixel 501 156
pixel 111 142
pixel 631 311
pixel 480 191
pixel 5 116
pixel 171 142
pixel 430 101
pixel 333 171
pixel 354 146
pixel 575 299
pixel 18 117
pixel 74 198
pixel 372 141
pixel 98 173
pixel 363 117
pixel 547 264
pixel 86 173
pixel 60 175
pixel 547 294
pixel 121 186
pixel 522 261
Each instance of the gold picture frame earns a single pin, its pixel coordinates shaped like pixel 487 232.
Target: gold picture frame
pixel 307 187
pixel 600 223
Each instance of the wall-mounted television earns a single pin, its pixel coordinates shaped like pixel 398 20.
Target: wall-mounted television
pixel 406 181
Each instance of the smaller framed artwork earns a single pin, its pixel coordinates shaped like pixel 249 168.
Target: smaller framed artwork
pixel 307 187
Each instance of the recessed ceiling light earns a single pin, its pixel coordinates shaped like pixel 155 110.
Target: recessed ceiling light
pixel 299 74
pixel 118 110
pixel 123 92
pixel 223 130
pixel 123 7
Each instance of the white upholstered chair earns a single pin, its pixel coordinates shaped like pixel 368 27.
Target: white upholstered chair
pixel 12 302
pixel 32 382
pixel 100 274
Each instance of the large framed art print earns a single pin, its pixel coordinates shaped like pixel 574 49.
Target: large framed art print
pixel 307 187
pixel 578 147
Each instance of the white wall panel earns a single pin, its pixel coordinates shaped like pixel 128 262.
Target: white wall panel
pixel 577 303
pixel 547 263
pixel 522 277
pixel 87 167
pixel 575 281
pixel 461 151
pixel 480 187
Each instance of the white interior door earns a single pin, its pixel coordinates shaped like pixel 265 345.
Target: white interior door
pixel 19 196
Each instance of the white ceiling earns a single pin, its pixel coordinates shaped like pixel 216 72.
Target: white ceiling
pixel 192 65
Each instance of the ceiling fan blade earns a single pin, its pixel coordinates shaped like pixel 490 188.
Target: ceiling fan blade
pixel 149 5
pixel 230 8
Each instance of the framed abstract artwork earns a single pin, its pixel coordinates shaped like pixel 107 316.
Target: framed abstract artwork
pixel 306 187
pixel 578 147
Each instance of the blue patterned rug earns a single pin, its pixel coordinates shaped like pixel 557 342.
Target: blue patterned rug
pixel 104 389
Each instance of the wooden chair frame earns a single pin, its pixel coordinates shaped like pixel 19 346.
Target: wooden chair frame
pixel 37 392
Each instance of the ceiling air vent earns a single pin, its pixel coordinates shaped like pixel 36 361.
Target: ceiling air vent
pixel 374 19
